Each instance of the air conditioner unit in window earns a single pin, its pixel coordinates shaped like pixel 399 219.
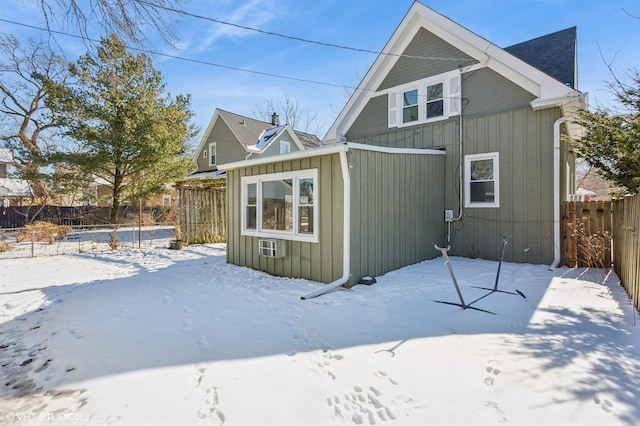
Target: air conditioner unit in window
pixel 272 248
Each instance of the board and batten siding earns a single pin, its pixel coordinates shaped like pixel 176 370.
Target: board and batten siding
pixel 397 202
pixel 524 139
pixel 320 261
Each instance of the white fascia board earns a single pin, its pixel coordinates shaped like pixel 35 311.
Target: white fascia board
pixel 573 100
pixel 307 153
pixel 486 53
pixel 205 136
pixel 326 150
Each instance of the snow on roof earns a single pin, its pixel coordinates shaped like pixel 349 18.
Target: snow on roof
pixel 15 188
pixel 214 174
pixel 267 136
pixel 6 156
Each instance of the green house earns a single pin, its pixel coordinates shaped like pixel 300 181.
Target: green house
pixel 455 141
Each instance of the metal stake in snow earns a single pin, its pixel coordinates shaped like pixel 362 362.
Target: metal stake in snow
pixel 455 283
pixel 495 287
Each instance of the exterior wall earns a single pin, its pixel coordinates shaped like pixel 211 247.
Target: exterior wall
pixel 315 261
pixel 397 204
pixel 524 139
pixel 409 69
pixel 228 148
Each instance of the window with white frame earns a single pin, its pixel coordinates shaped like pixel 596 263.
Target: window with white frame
pixel 410 106
pixel 285 147
pixel 430 99
pixel 212 154
pixel 283 205
pixel 482 180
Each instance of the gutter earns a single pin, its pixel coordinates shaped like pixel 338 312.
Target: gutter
pixel 346 244
pixel 556 190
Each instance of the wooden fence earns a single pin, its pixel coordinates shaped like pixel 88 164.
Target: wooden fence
pixel 201 208
pixel 626 238
pixel 587 234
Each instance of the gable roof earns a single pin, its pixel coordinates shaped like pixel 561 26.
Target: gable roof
pixel 251 132
pixel 554 54
pixel 548 90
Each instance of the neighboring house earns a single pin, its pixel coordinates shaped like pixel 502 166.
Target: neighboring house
pixel 593 187
pixel 232 137
pixel 455 141
pixel 11 190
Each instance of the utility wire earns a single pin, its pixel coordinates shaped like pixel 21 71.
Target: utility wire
pixel 304 40
pixel 197 61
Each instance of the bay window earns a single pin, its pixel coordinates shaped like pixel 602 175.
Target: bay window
pixel 283 205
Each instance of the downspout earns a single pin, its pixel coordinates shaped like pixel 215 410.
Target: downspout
pixel 346 242
pixel 460 174
pixel 460 169
pixel 556 190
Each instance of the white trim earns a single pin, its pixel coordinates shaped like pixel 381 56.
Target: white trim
pixel 450 105
pixel 480 50
pixel 346 234
pixel 287 145
pixel 213 148
pixel 294 234
pixel 325 150
pixel 468 159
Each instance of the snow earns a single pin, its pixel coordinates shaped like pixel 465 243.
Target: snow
pixel 15 188
pixel 158 336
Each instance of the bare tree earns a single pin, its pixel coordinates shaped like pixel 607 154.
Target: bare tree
pixel 26 124
pixel 132 20
pixel 290 112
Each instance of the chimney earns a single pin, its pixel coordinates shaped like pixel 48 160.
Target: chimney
pixel 275 120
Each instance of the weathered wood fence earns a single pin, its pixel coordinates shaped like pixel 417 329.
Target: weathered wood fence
pixel 626 249
pixel 201 208
pixel 586 234
pixel 601 234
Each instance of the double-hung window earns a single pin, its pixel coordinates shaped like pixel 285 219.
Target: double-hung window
pixel 281 205
pixel 430 99
pixel 435 101
pixel 410 106
pixel 212 154
pixel 482 180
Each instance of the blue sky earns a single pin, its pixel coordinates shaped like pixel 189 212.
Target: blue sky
pixel 605 30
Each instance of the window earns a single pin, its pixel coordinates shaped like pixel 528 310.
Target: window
pixel 410 106
pixel 435 101
pixel 281 205
pixel 285 147
pixel 212 154
pixel 429 99
pixel 482 180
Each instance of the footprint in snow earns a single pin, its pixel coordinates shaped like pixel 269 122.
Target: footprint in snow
pixel 196 380
pixel 493 371
pixel 203 344
pixel 605 404
pixel 186 325
pixel 210 409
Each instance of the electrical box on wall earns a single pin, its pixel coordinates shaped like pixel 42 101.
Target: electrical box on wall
pixel 448 215
pixel 272 248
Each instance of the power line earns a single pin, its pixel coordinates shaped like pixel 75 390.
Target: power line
pixel 181 58
pixel 304 40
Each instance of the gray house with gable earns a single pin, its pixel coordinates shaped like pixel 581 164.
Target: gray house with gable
pixel 455 141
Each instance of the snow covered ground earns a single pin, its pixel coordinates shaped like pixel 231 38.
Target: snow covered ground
pixel 158 336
